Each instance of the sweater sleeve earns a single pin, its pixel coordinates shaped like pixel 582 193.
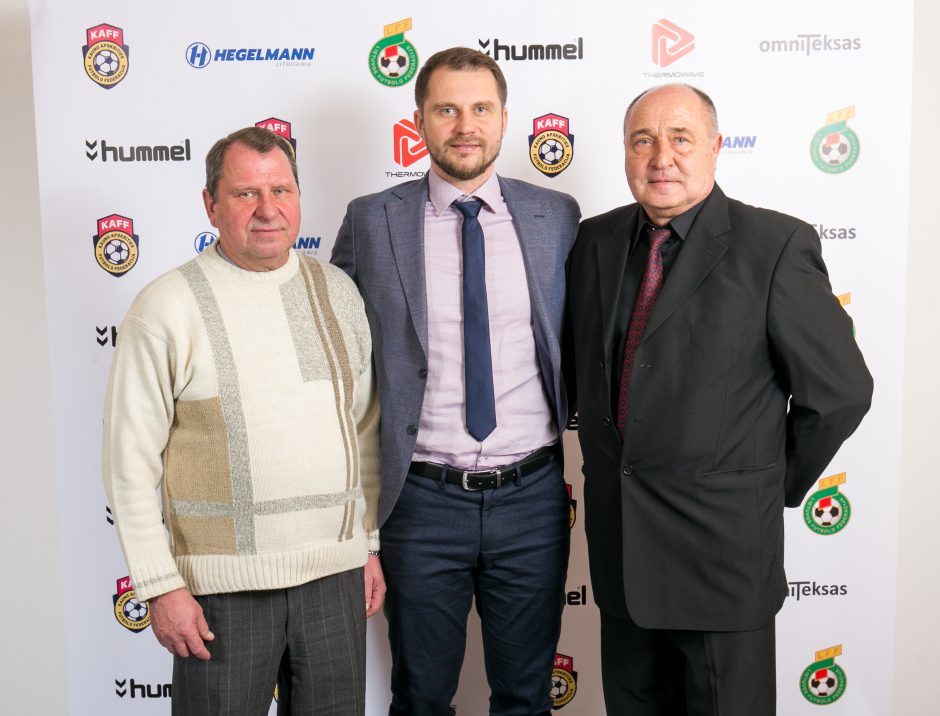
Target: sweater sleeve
pixel 137 417
pixel 366 413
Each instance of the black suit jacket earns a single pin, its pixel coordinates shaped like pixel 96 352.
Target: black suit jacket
pixel 745 384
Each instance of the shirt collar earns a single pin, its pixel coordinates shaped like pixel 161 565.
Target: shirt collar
pixel 680 225
pixel 442 193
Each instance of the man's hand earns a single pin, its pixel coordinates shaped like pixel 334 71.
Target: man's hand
pixel 375 585
pixel 179 625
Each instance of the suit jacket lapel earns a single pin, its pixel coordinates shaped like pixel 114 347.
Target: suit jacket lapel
pixel 405 217
pixel 612 252
pixel 703 248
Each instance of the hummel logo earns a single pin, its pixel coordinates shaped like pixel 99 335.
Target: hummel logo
pixel 670 42
pixel 91 146
pixel 409 147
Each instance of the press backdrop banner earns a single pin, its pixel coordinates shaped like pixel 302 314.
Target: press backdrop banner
pixel 814 105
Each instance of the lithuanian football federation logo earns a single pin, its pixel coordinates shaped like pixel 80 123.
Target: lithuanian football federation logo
pixel 280 128
pixel 105 55
pixel 393 60
pixel 551 144
pixel 827 510
pixel 564 681
pixel 131 613
pixel 116 244
pixel 844 300
pixel 835 147
pixel 823 682
pixel 572 508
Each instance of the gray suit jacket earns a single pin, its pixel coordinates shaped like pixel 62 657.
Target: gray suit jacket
pixel 381 246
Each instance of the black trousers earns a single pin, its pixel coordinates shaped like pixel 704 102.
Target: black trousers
pixel 672 672
pixel 309 639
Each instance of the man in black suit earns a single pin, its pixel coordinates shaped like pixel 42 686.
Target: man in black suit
pixel 716 377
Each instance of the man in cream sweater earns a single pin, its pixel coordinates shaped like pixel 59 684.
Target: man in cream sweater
pixel 272 538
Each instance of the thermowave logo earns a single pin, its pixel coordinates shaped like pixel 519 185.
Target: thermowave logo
pixel 279 127
pixel 116 244
pixel 827 510
pixel 670 42
pixel 130 613
pixel 199 55
pixel 834 148
pixel 105 55
pixel 551 144
pixel 409 147
pixel 564 681
pixel 823 682
pixel 393 60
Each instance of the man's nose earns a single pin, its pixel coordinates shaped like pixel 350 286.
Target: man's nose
pixel 266 207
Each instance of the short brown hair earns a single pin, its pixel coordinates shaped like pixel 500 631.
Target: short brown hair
pixel 257 138
pixel 461 59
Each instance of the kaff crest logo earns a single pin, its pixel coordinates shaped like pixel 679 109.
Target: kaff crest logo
pixel 827 510
pixel 551 144
pixel 572 508
pixel 393 60
pixel 409 146
pixel 834 148
pixel 131 613
pixel 105 55
pixel 116 244
pixel 564 681
pixel 670 42
pixel 823 682
pixel 280 128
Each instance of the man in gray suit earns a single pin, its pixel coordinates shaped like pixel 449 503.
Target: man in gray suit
pixel 463 277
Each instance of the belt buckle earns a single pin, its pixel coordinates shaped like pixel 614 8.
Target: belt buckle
pixel 484 473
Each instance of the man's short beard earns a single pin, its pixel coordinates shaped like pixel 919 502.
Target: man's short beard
pixel 460 172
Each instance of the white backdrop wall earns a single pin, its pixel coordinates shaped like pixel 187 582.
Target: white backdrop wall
pixel 865 694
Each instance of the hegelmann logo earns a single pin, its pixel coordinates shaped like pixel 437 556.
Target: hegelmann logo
pixel 738 144
pixel 199 55
pixel 204 240
pixel 533 52
pixel 808 43
pixel 670 42
pixel 307 245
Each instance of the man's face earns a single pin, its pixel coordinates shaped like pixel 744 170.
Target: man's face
pixel 256 209
pixel 462 122
pixel 671 152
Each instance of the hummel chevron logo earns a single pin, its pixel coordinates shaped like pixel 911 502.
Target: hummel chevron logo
pixel 91 146
pixel 670 42
pixel 120 691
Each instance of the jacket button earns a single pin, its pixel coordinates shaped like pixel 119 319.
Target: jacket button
pixel 423 373
pixel 627 470
pixel 605 422
pixel 603 364
pixel 412 430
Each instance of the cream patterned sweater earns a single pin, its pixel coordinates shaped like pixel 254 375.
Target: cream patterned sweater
pixel 247 398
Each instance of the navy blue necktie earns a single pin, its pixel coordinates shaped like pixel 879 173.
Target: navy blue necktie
pixel 478 363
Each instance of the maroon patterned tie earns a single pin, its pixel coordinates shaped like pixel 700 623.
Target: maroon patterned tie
pixel 645 299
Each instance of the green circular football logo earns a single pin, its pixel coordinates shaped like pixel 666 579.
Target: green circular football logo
pixel 822 686
pixel 827 515
pixel 393 65
pixel 834 151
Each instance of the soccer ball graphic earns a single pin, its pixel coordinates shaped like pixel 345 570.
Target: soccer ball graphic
pixel 393 62
pixel 835 149
pixel 116 251
pixel 135 611
pixel 551 151
pixel 827 513
pixel 106 63
pixel 823 683
pixel 559 687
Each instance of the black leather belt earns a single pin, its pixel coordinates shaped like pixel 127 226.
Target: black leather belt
pixel 473 480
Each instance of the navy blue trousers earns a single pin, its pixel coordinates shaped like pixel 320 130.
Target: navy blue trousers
pixel 508 548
